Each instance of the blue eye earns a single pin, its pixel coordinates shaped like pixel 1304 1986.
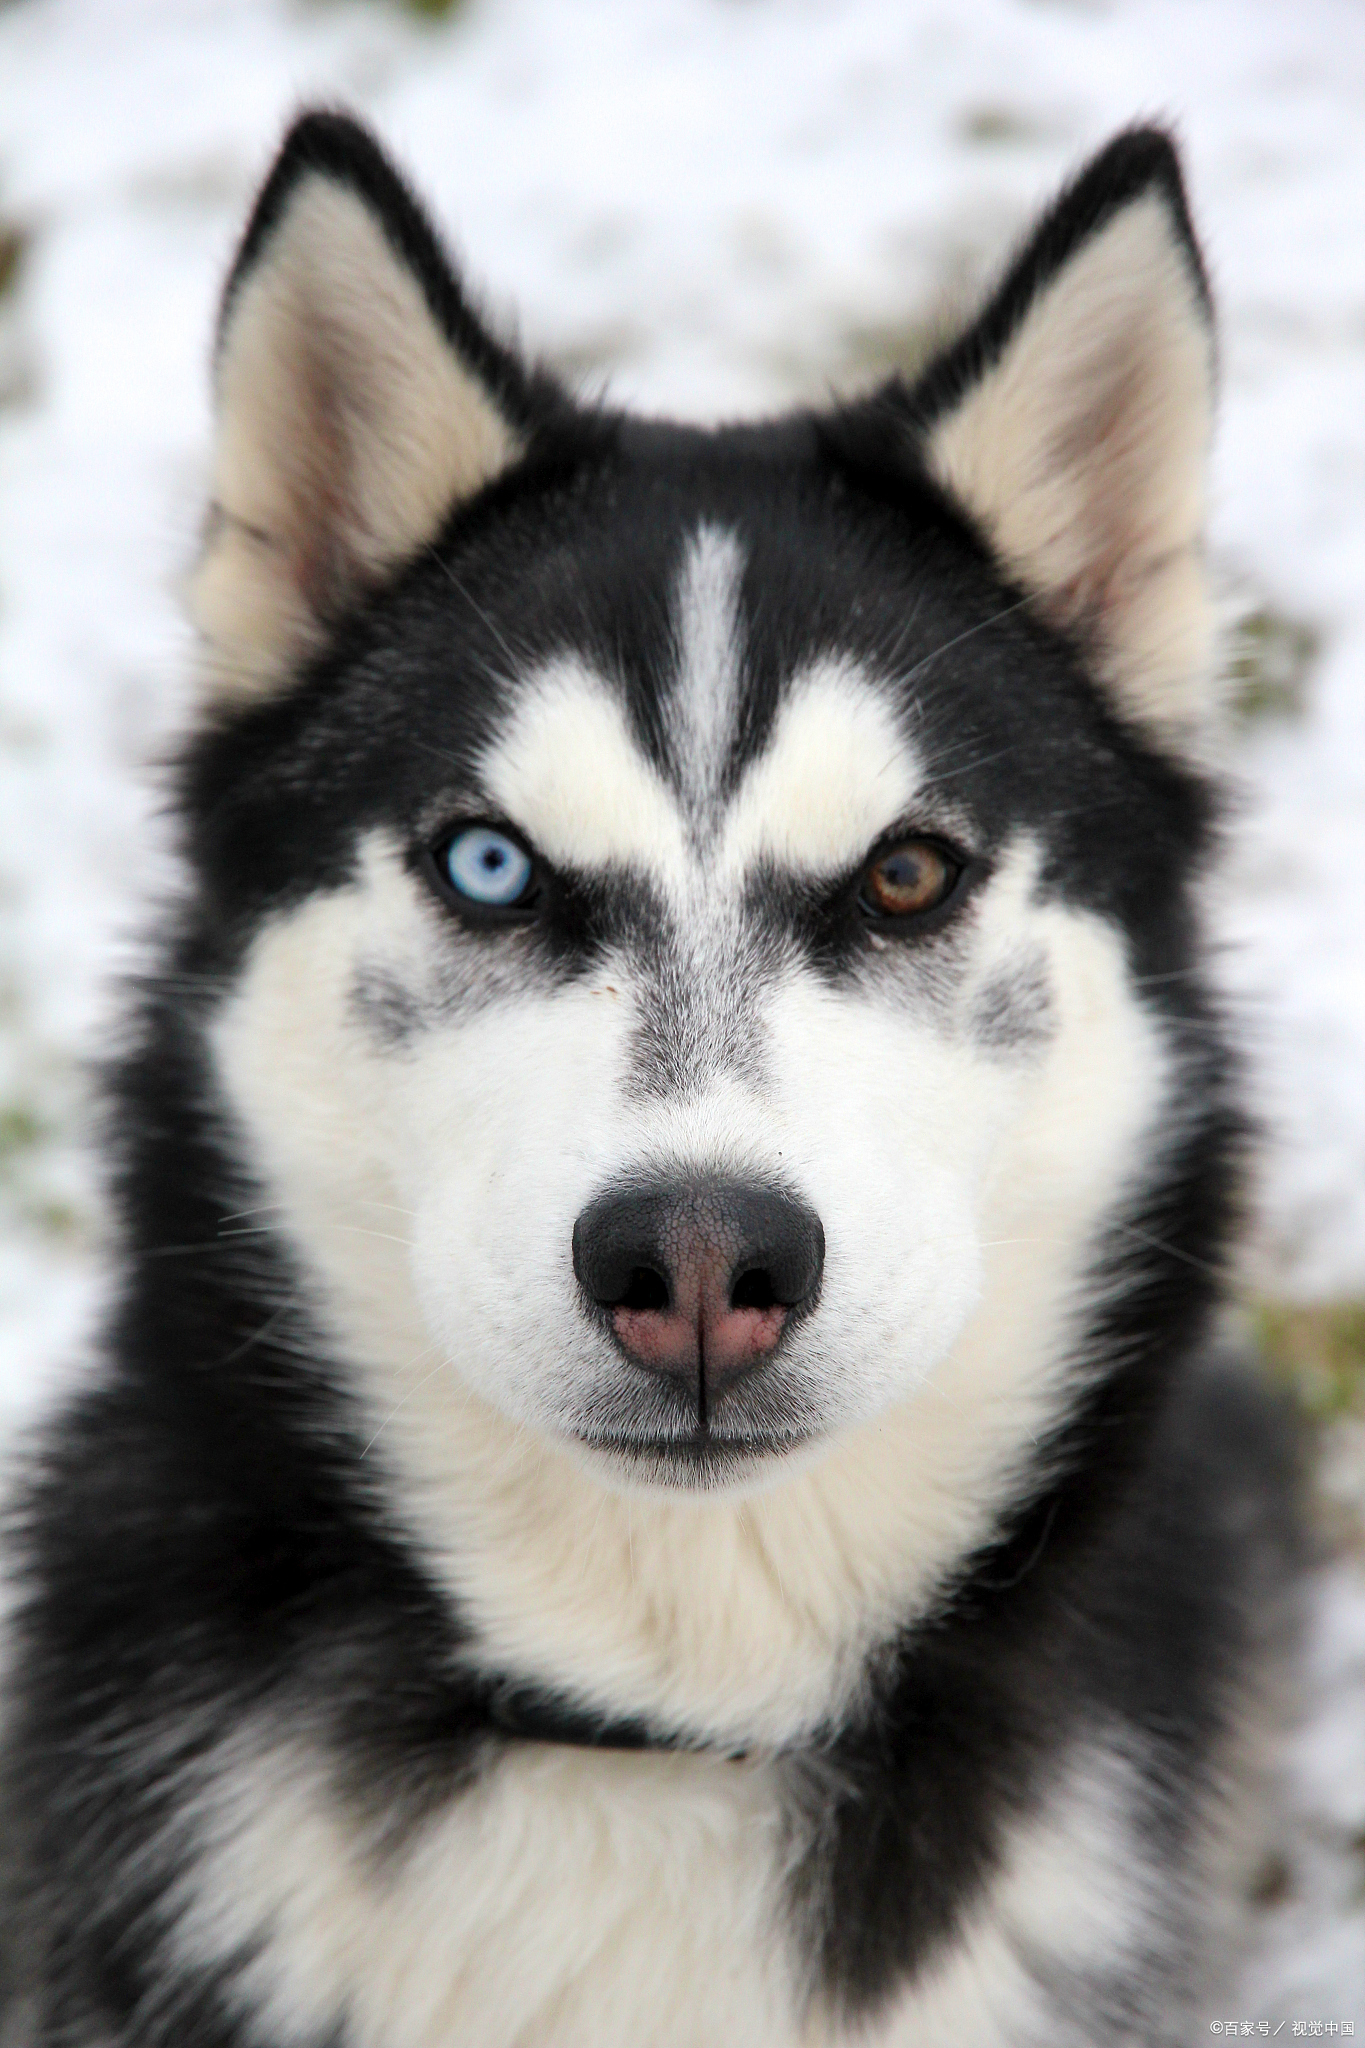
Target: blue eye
pixel 487 867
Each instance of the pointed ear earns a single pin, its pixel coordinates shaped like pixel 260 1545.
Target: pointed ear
pixel 358 401
pixel 1072 423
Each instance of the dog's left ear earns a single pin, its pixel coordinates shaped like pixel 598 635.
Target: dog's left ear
pixel 1072 423
pixel 359 401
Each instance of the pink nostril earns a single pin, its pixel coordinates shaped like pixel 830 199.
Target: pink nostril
pixel 701 1318
pixel 661 1337
pixel 739 1335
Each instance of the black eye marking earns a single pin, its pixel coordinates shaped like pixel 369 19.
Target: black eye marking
pixel 906 882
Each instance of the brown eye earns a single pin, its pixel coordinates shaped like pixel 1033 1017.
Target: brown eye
pixel 908 880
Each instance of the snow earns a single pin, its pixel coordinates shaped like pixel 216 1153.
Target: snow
pixel 720 205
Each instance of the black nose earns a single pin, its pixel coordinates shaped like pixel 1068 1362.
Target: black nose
pixel 699 1280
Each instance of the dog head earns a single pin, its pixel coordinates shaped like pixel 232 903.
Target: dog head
pixel 692 898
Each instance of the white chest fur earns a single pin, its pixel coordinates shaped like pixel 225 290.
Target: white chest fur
pixel 583 1899
pixel 575 1899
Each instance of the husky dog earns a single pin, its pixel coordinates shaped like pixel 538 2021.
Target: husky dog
pixel 666 1468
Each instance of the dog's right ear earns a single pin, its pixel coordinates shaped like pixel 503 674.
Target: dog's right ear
pixel 358 402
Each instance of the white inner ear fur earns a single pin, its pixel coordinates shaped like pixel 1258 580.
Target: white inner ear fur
pixel 347 428
pixel 1082 451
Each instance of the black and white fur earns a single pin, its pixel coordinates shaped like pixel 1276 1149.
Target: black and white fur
pixel 395 1662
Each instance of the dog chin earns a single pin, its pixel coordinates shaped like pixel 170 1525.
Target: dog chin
pixel 701 1461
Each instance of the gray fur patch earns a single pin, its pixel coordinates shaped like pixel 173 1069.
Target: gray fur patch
pixel 393 1011
pixel 700 1018
pixel 703 706
pixel 387 1010
pixel 1012 1013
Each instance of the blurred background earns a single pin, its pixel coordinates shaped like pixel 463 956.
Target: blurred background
pixel 710 207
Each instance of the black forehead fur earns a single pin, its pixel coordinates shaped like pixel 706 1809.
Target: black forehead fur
pixel 580 552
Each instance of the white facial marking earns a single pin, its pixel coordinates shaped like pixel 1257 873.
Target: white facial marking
pixel 570 773
pixel 835 774
pixel 704 702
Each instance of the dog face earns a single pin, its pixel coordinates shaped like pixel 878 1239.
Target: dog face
pixel 689 896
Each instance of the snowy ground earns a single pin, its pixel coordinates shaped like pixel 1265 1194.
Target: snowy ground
pixel 719 205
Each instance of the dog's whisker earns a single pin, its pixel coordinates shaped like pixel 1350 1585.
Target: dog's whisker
pixel 257 1336
pixel 958 639
pixel 364 1230
pixel 1171 1251
pixel 515 660
pixel 441 1365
